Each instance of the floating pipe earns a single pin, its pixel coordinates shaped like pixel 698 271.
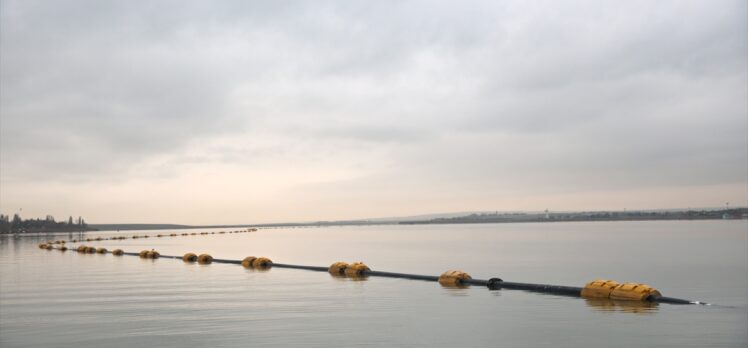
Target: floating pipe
pixel 492 284
pixel 98 239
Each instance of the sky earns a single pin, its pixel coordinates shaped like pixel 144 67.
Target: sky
pixel 229 112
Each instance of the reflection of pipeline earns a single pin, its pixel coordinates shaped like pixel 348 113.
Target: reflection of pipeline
pixel 492 284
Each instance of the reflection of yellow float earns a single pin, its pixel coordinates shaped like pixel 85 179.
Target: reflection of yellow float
pixel 608 305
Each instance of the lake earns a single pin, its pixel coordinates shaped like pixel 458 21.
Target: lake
pixel 56 299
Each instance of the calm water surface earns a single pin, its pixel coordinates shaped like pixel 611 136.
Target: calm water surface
pixel 55 299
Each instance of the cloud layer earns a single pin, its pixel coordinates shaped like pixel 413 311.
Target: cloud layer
pixel 202 112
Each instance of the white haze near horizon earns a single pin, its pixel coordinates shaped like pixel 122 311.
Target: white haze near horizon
pixel 202 112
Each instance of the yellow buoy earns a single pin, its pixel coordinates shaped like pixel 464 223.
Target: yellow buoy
pixel 204 259
pixel 262 263
pixel 135 237
pixel 42 246
pixel 173 235
pixel 117 252
pixel 91 250
pixel 247 262
pixel 356 269
pixel 153 254
pixel 143 254
pixel 599 288
pixel 50 247
pixel 189 257
pixel 63 248
pixel 453 278
pixel 338 268
pixel 101 250
pixel 634 292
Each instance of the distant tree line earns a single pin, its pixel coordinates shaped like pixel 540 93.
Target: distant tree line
pixel 48 224
pixel 735 213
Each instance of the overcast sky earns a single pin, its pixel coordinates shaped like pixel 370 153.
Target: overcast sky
pixel 217 112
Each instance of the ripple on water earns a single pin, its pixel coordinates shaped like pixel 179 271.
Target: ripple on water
pixel 49 298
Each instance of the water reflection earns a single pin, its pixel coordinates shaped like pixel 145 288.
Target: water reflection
pixel 457 291
pixel 338 277
pixel 358 278
pixel 257 270
pixel 345 278
pixel 99 300
pixel 608 305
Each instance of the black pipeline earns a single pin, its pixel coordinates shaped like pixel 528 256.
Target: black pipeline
pixel 491 284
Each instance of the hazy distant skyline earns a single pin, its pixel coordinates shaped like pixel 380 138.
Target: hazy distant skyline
pixel 200 112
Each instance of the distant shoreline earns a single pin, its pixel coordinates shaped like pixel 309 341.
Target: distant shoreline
pixel 498 221
pixel 545 217
pixel 724 214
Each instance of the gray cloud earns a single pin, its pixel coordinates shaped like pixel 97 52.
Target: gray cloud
pixel 540 95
